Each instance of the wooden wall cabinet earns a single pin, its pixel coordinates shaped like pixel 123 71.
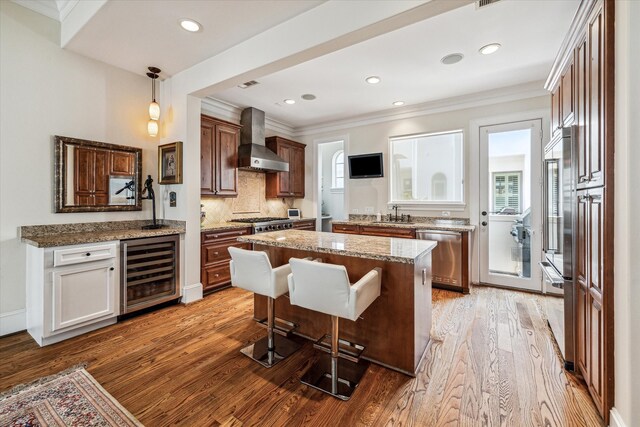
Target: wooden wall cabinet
pixel 122 163
pixel 286 184
pixel 590 60
pixel 305 224
pixel 215 273
pixel 219 142
pixel 91 177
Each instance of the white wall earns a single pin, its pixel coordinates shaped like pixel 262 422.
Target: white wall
pixel 375 138
pixel 627 205
pixel 48 91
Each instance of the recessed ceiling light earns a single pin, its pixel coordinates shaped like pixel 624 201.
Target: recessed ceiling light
pixel 189 25
pixel 308 97
pixel 373 80
pixel 452 58
pixel 290 101
pixel 398 103
pixel 489 49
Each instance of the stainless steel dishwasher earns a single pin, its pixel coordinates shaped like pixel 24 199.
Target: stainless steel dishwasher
pixel 446 258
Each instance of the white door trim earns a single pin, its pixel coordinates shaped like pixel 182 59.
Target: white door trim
pixel 317 204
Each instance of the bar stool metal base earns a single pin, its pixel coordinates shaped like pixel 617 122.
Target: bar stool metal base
pixel 259 351
pixel 350 374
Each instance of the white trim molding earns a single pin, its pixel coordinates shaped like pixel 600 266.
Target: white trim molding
pixel 191 293
pixel 615 420
pixel 13 321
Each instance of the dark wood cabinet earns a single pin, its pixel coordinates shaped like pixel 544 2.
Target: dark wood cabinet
pixel 567 99
pixel 556 108
pixel 407 233
pixel 591 61
pixel 214 256
pixel 286 184
pixel 305 224
pixel 122 163
pixel 91 177
pixel 219 142
pixel 345 228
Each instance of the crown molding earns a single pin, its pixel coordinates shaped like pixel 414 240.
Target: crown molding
pixel 230 112
pixel 507 94
pixel 48 8
pixel 65 7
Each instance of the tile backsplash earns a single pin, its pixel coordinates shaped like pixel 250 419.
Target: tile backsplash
pixel 250 202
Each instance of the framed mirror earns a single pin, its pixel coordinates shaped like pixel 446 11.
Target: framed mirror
pixel 93 176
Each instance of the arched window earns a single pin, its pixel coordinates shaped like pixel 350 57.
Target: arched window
pixel 439 186
pixel 337 170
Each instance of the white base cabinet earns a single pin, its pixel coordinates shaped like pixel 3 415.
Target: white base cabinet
pixel 71 290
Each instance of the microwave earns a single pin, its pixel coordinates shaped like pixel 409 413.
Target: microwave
pixel 294 213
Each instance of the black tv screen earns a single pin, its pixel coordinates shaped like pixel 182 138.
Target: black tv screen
pixel 365 166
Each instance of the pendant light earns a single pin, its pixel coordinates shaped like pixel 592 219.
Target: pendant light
pixel 154 107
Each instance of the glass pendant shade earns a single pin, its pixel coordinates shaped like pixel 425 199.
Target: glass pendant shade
pixel 154 110
pixel 152 127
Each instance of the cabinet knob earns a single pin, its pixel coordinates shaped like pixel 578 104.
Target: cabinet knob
pixel 484 223
pixel 112 268
pixel 216 253
pixel 88 254
pixel 216 275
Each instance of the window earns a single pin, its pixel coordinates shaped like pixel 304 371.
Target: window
pixel 427 169
pixel 506 191
pixel 337 170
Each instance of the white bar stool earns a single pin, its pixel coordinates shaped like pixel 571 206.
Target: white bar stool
pixel 251 270
pixel 325 288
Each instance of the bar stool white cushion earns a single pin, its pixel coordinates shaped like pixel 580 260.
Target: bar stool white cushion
pixel 325 288
pixel 251 270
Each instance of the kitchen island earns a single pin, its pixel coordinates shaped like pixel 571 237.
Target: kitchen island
pixel 395 328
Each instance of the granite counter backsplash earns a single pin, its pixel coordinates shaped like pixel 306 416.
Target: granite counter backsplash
pixel 44 236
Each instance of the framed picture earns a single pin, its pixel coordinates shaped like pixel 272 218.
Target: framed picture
pixel 170 163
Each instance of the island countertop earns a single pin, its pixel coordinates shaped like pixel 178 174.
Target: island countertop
pixel 391 249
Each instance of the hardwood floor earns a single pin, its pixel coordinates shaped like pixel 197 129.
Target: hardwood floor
pixel 492 361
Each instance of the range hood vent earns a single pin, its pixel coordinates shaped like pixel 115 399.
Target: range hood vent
pixel 252 153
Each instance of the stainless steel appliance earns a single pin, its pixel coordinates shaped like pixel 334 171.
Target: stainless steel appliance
pixel 446 258
pixel 267 223
pixel 559 219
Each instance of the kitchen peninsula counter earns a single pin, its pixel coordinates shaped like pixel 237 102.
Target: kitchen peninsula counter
pixel 395 328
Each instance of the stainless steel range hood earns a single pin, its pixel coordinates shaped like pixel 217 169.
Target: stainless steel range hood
pixel 252 153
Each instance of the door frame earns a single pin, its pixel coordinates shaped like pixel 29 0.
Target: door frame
pixel 474 171
pixel 317 160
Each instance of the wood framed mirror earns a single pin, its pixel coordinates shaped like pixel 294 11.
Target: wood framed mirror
pixel 93 176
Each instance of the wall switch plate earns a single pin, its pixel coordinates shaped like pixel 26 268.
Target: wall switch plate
pixel 446 213
pixel 172 199
pixel 355 211
pixel 368 209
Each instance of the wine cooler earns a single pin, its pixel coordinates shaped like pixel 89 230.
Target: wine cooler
pixel 150 272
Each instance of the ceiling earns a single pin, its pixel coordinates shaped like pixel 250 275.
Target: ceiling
pixel 135 34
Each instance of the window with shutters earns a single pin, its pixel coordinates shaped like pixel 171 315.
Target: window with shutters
pixel 507 191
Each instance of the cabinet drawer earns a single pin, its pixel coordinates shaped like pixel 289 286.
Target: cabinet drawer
pixel 83 254
pixel 217 253
pixel 213 236
pixel 345 228
pixel 407 233
pixel 305 225
pixel 216 275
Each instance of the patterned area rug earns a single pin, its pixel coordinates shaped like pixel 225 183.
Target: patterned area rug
pixel 70 398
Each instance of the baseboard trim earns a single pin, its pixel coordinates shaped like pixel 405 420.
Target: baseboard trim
pixel 615 420
pixel 191 293
pixel 13 321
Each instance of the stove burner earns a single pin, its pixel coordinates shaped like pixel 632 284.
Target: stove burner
pixel 259 219
pixel 264 224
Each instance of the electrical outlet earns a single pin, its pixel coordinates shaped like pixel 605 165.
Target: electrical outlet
pixel 355 211
pixel 446 213
pixel 368 209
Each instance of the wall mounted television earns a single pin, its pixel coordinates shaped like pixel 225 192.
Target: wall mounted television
pixel 366 166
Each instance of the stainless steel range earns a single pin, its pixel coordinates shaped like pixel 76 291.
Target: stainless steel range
pixel 268 223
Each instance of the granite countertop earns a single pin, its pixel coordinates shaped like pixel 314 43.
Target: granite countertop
pixel 46 236
pixel 391 249
pixel 225 225
pixel 418 225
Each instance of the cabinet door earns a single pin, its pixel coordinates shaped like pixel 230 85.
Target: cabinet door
pixel 227 140
pixel 206 158
pixel 82 294
pixel 296 171
pixel 582 122
pixel 582 285
pixel 555 111
pixel 122 163
pixel 101 179
pixel 83 170
pixel 596 101
pixel 284 178
pixel 566 84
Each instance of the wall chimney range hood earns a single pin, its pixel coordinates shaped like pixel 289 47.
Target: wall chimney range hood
pixel 252 152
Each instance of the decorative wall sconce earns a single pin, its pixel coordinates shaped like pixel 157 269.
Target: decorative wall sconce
pixel 154 107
